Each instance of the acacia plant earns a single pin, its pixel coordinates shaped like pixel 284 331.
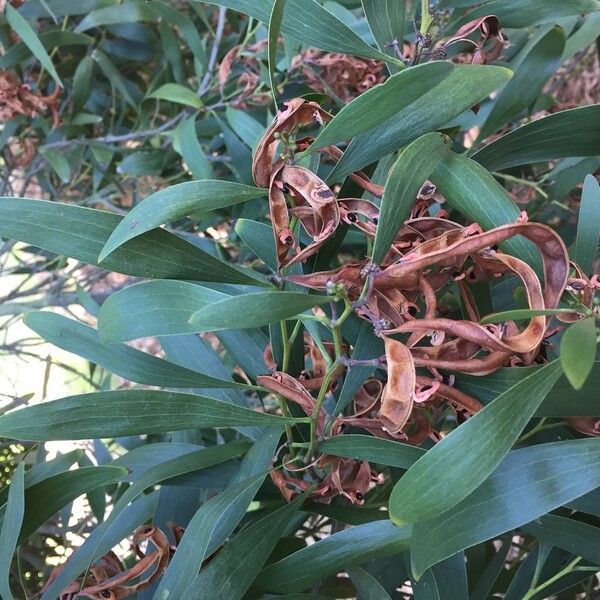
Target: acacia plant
pixel 373 312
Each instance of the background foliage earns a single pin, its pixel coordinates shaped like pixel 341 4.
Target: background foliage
pixel 119 117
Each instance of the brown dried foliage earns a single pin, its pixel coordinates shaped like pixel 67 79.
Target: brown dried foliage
pixel 401 298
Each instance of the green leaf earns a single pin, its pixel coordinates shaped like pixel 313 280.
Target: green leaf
pixel 458 464
pixel 583 37
pixel 576 537
pixel 11 525
pixel 386 22
pixel 175 92
pixel 562 401
pixel 532 73
pixel 413 167
pixel 275 20
pixel 308 22
pixel 399 92
pixel 444 581
pixel 120 359
pixel 483 587
pixel 82 83
pixel 81 233
pixel 185 142
pixel 49 39
pixel 431 95
pixel 232 572
pixel 127 412
pixel 473 192
pixel 518 14
pixel 29 37
pixel 527 484
pixel 47 497
pixel 565 133
pixel 117 81
pixel 367 587
pixel 372 449
pixel 58 162
pixel 152 308
pixel 588 225
pixel 175 202
pixel 352 546
pixel 578 350
pixel 259 238
pixel 247 311
pixel 221 515
pixel 522 313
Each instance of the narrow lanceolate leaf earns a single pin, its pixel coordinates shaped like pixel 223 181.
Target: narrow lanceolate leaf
pixel 367 586
pixel 253 310
pixel 11 526
pixel 208 529
pixel 372 449
pixel 175 202
pixel 126 412
pixel 415 165
pixel 588 225
pixel 185 142
pixel 423 106
pixel 177 93
pixel 352 546
pixel 398 92
pixel 120 359
pixel 528 483
pixel 29 37
pixel 274 28
pixel 578 351
pixel 473 192
pixel 523 13
pixel 386 22
pixel 308 22
pixel 81 233
pixel 530 77
pixel 47 497
pixel 444 581
pixel 152 308
pixel 456 466
pixel 574 536
pixel 232 572
pixel 522 313
pixel 565 133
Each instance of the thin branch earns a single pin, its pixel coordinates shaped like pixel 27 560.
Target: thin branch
pixel 214 52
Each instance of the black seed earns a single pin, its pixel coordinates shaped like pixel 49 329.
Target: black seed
pixel 412 311
pixel 359 496
pixel 325 194
pixel 352 217
pixel 285 189
pixel 375 220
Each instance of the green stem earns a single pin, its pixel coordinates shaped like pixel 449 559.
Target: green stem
pixel 541 426
pixel 280 399
pixel 531 184
pixel 426 18
pixel 336 330
pixel 533 591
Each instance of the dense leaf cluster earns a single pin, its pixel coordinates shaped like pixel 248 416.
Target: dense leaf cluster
pixel 365 270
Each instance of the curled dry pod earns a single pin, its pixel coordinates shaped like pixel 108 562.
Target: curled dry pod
pixel 315 207
pixel 291 389
pixel 115 587
pixel 398 394
pixel 296 114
